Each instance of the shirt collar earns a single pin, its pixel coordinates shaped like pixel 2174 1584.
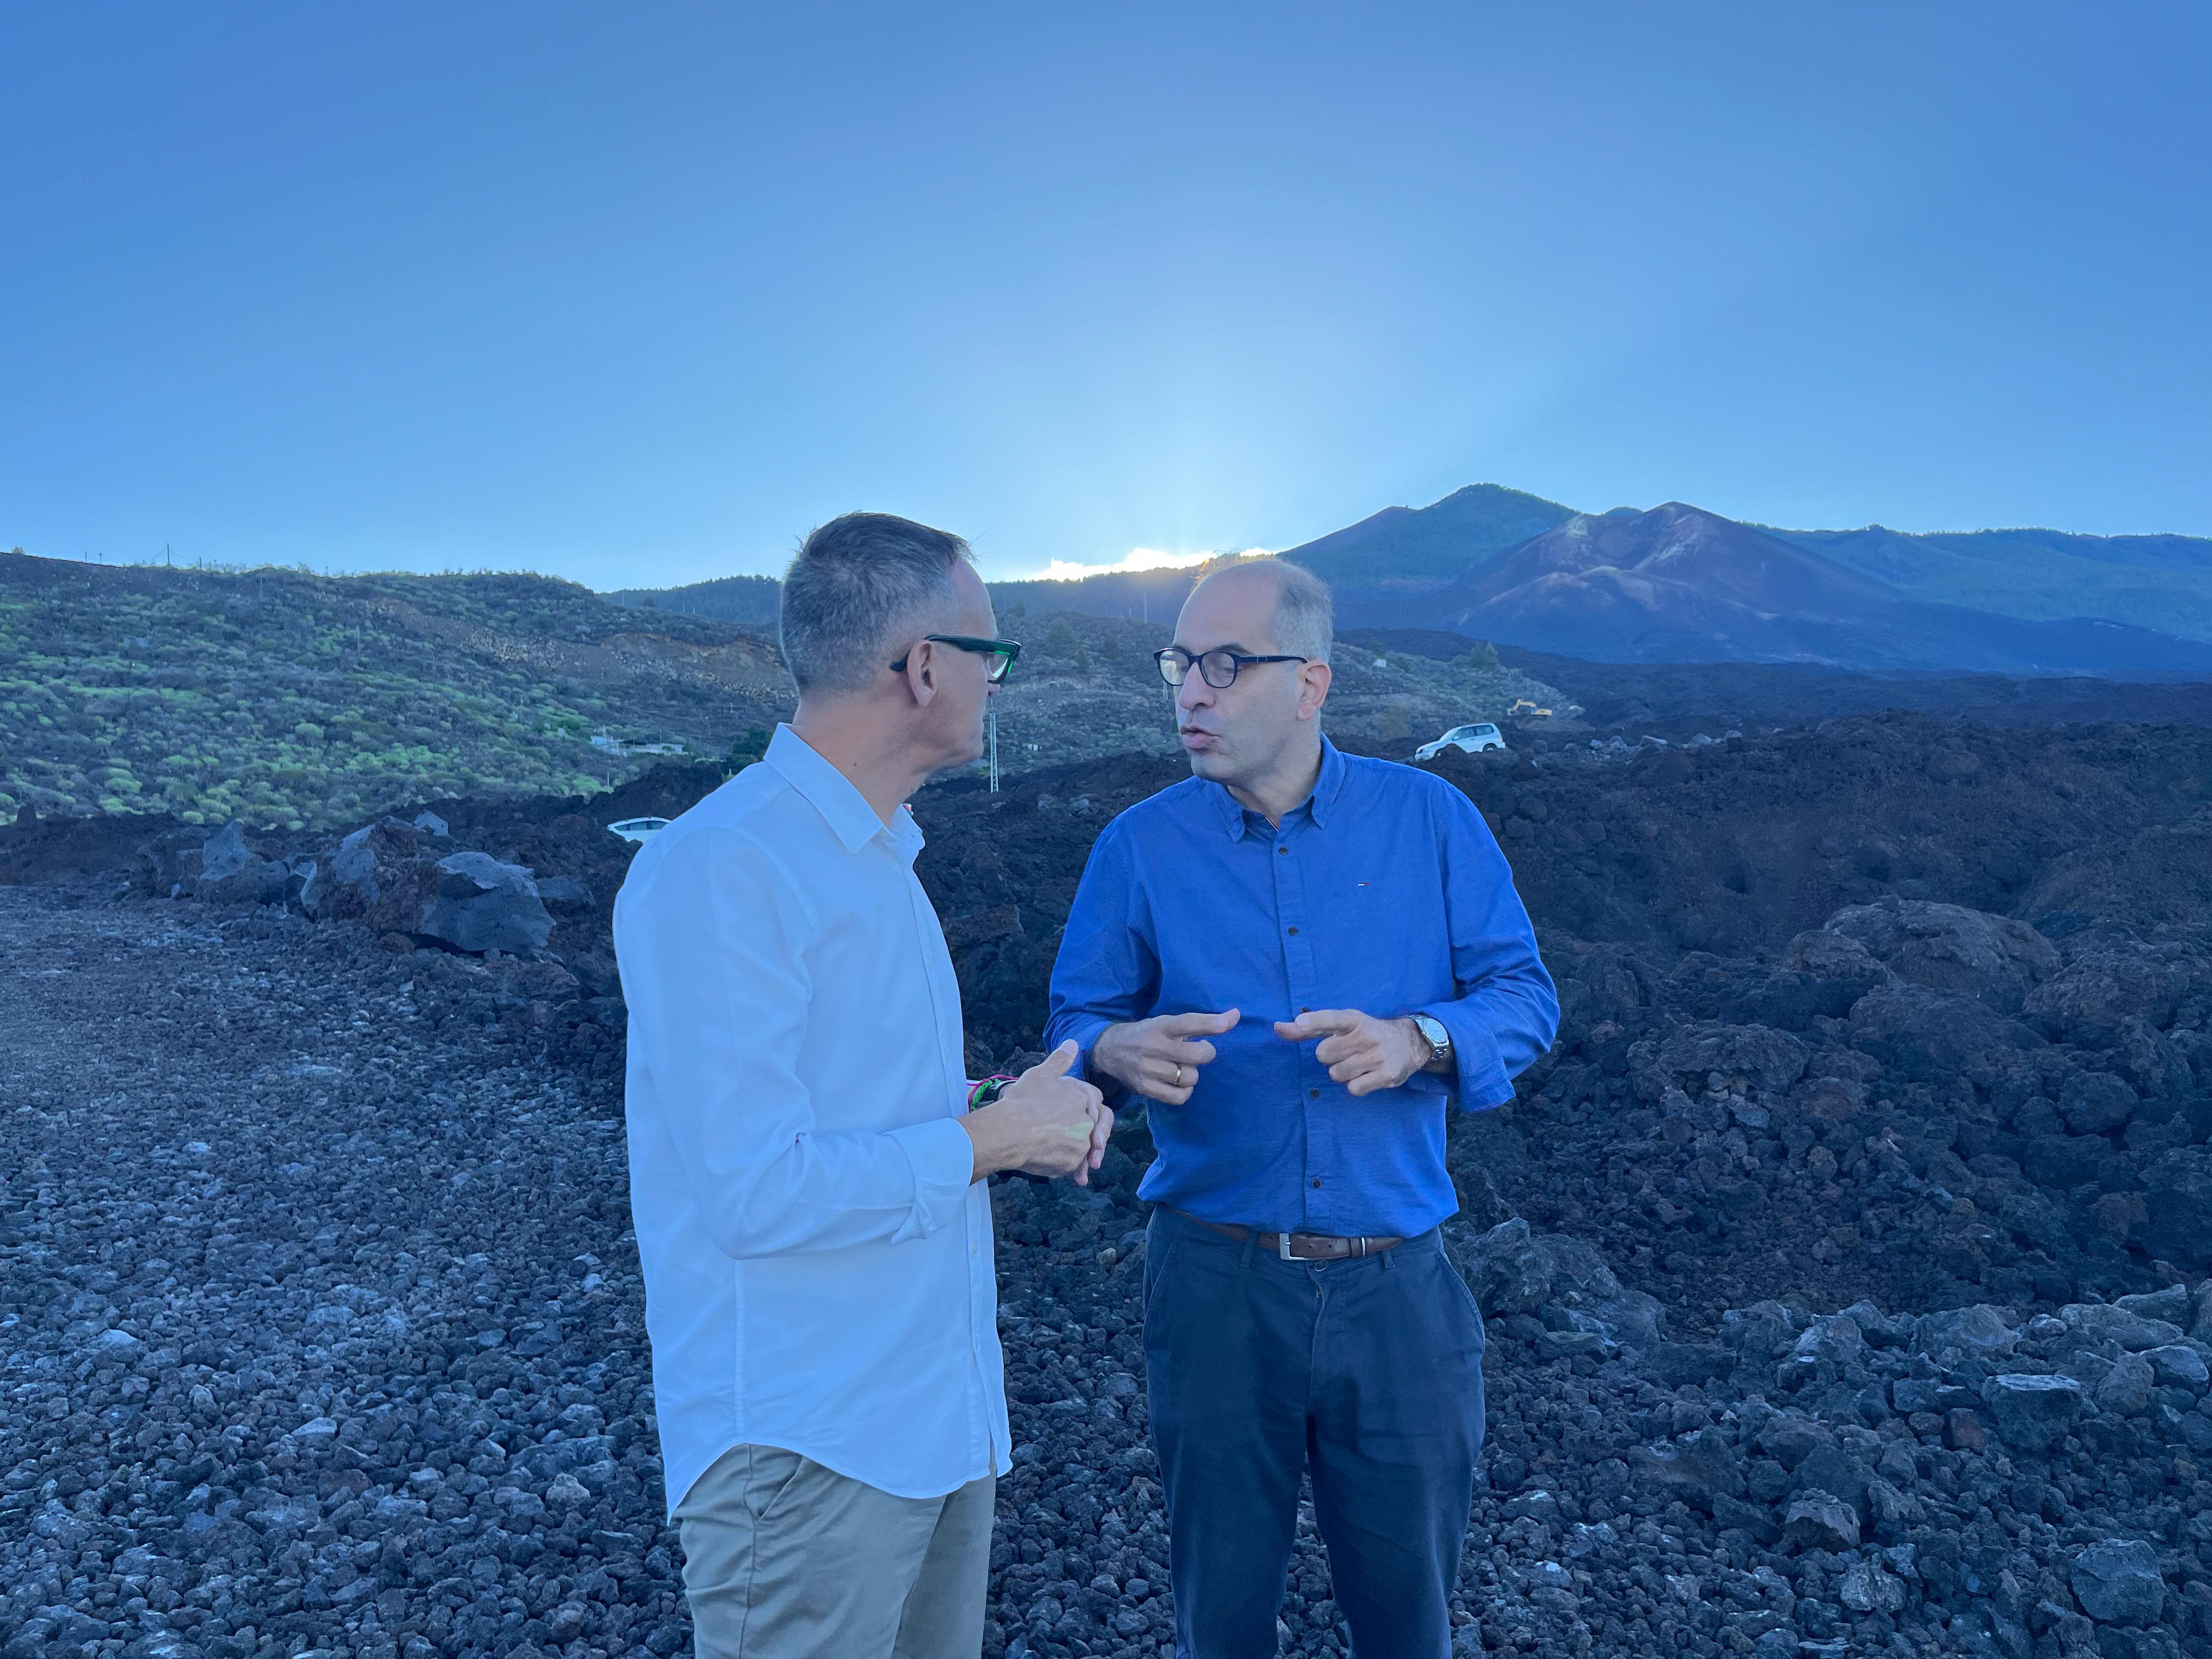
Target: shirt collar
pixel 1327 788
pixel 831 793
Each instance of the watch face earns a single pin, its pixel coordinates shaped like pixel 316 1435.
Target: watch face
pixel 1438 1039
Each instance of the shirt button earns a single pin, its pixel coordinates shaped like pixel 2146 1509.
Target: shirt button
pixel 1282 851
pixel 1294 930
pixel 1316 1181
pixel 1313 1094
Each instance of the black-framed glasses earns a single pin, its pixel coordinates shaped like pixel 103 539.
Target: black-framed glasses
pixel 1217 668
pixel 1001 653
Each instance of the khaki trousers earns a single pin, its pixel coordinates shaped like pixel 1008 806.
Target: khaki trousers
pixel 787 1559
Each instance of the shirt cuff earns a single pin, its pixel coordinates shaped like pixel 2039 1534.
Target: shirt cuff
pixel 942 1160
pixel 1479 1075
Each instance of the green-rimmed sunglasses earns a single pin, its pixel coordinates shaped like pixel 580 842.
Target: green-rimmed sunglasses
pixel 1001 653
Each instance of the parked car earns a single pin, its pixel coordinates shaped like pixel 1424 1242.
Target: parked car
pixel 637 829
pixel 1472 738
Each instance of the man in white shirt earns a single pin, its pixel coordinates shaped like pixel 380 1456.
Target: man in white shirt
pixel 807 1179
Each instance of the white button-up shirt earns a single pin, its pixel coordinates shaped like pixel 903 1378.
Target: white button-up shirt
pixel 818 1271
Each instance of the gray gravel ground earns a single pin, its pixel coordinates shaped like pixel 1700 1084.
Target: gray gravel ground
pixel 322 1333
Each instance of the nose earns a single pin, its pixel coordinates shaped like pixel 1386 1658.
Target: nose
pixel 1193 692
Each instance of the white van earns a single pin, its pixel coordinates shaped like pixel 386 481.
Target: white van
pixel 1472 738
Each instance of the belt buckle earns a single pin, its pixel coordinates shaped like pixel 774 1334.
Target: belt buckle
pixel 1282 1248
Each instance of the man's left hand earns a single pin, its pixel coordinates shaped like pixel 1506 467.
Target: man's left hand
pixel 1362 1053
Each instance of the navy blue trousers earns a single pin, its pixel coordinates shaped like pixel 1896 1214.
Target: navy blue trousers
pixel 1366 1373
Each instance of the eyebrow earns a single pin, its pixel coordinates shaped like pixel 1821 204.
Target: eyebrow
pixel 1232 647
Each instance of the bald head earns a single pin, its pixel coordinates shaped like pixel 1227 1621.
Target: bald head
pixel 1304 614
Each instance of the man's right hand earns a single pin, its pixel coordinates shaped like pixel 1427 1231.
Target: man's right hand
pixel 1043 1123
pixel 1160 1058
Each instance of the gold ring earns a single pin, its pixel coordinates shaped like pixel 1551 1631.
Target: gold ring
pixel 1178 1084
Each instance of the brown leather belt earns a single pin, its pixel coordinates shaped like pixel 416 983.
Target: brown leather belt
pixel 1299 1247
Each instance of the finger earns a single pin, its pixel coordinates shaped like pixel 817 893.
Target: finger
pixel 1057 1063
pixel 1341 1047
pixel 1105 1134
pixel 1319 1022
pixel 1188 1054
pixel 1184 1026
pixel 1367 1082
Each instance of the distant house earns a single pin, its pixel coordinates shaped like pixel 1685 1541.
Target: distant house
pixel 606 744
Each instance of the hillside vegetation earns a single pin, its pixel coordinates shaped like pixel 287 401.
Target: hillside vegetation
pixel 287 700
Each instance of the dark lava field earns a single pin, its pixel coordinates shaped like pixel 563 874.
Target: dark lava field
pixel 1844 1263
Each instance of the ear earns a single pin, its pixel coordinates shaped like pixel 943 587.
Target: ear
pixel 921 672
pixel 1313 689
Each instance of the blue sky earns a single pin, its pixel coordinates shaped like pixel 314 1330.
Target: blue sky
pixel 636 294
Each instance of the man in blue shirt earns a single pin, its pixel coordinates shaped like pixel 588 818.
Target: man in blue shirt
pixel 1300 956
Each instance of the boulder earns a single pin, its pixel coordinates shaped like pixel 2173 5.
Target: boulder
pixel 1817 1520
pixel 1867 1588
pixel 1790 1439
pixel 2063 1162
pixel 2125 1390
pixel 1832 1469
pixel 2200 1329
pixel 2092 1102
pixel 2100 1323
pixel 2032 1414
pixel 1836 959
pixel 375 876
pixel 2179 1201
pixel 1880 1329
pixel 1993 960
pixel 1924 1033
pixel 481 904
pixel 1512 1271
pixel 564 895
pixel 1980 1331
pixel 223 868
pixel 2106 987
pixel 2177 1366
pixel 1696 1469
pixel 1820 976
pixel 2174 1304
pixel 2117 1582
pixel 1758 1332
pixel 1757 1055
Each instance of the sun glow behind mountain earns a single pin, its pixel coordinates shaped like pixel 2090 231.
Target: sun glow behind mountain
pixel 1140 558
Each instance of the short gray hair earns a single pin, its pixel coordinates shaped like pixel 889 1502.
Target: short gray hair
pixel 1305 610
pixel 856 580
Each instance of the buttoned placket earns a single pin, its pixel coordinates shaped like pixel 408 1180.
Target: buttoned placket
pixel 1295 933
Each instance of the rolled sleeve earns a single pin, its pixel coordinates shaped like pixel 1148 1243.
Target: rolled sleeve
pixel 1478 1079
pixel 1507 1010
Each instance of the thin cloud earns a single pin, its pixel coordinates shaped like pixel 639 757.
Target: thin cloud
pixel 1139 558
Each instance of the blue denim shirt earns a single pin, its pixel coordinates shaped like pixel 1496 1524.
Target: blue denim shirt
pixel 1384 892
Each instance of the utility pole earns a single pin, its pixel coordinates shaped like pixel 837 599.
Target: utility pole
pixel 991 725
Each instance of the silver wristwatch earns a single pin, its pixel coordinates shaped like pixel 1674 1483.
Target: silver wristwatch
pixel 1438 1039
